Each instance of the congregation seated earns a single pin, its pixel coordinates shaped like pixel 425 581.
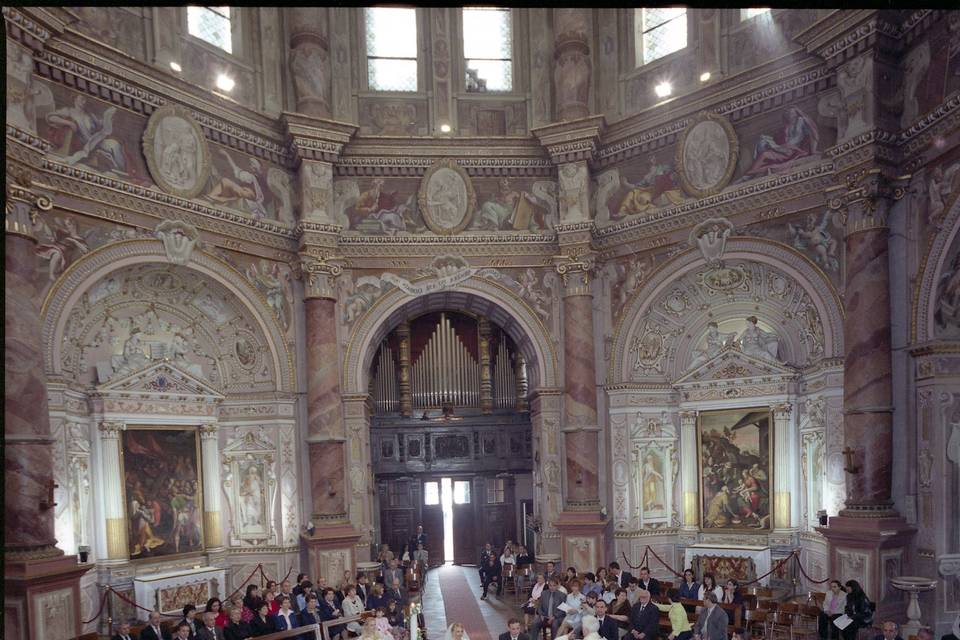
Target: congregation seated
pixel 261 624
pixel 190 619
pixel 236 628
pixel 890 631
pixel 209 629
pixel 548 609
pixel 124 632
pixel 648 583
pixel 183 631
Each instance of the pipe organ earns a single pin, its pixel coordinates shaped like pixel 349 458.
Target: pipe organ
pixel 385 391
pixel 445 373
pixel 447 359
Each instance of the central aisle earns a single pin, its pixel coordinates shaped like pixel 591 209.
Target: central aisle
pixel 452 594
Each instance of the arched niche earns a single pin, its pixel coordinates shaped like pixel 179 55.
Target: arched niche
pixel 940 263
pixel 236 333
pixel 668 317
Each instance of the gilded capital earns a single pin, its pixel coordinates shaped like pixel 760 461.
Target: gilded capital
pixel 23 204
pixel 864 200
pixel 781 410
pixel 575 272
pixel 319 276
pixel 208 431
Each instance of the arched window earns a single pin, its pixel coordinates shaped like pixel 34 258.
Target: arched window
pixel 212 25
pixel 659 32
pixel 391 48
pixel 488 49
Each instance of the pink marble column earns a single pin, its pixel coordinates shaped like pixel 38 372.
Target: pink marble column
pixel 324 415
pixel 28 456
pixel 867 390
pixel 580 392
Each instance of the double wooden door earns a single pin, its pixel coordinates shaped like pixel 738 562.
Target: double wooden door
pixel 483 509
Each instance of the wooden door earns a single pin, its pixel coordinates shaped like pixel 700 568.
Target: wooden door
pixel 432 519
pixel 464 538
pixel 497 511
pixel 399 511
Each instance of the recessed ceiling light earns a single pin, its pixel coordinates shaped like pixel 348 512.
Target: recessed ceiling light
pixel 445 128
pixel 225 82
pixel 663 89
pixel 176 66
pixel 704 76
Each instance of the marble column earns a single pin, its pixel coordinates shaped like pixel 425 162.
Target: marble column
pixel 784 459
pixel 325 427
pixel 689 482
pixel 113 508
pixel 310 60
pixel 868 529
pixel 332 539
pixel 210 458
pixel 37 574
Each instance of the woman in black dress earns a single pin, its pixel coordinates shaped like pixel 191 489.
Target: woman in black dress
pixel 858 608
pixel 261 624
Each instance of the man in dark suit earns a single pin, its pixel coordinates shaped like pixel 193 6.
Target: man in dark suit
pixel 209 630
pixel 513 631
pixel 363 587
pixel 153 631
pixel 395 593
pixel 298 589
pixel 123 633
pixel 712 623
pixel 419 538
pixel 891 631
pixel 647 583
pixel 492 572
pixel 548 611
pixel 622 577
pixel 644 619
pixel 608 626
pixel 183 632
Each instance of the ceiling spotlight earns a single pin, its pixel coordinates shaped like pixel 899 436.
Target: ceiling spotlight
pixel 176 66
pixel 225 82
pixel 663 89
pixel 704 76
pixel 445 128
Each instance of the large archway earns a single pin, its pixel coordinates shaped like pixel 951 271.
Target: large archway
pixel 478 298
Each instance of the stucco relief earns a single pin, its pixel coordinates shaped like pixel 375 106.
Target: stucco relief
pixel 249 481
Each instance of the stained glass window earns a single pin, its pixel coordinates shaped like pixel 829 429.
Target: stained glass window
pixel 488 49
pixel 659 32
pixel 212 25
pixel 391 48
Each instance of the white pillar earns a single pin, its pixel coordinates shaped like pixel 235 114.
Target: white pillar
pixel 210 454
pixel 113 507
pixel 689 482
pixel 784 466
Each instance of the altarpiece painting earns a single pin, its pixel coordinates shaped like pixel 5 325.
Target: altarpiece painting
pixel 162 490
pixel 735 450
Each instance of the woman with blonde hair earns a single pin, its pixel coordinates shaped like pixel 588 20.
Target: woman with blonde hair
pixel 456 632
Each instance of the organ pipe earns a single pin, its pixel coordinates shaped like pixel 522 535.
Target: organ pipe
pixel 445 372
pixel 386 397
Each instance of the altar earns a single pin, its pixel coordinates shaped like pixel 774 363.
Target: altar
pixel 743 563
pixel 168 592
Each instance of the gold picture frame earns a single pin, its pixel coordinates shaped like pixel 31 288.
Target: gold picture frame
pixel 176 151
pixel 706 171
pixel 446 198
pixel 140 444
pixel 735 463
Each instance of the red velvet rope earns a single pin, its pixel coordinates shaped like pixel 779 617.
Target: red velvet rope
pixel 772 571
pixel 804 573
pixel 129 601
pixel 650 550
pixel 103 602
pixel 259 568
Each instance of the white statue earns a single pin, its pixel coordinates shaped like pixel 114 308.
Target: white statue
pixel 759 343
pixel 133 357
pixel 179 240
pixel 714 342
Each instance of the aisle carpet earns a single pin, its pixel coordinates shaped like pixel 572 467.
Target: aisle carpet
pixel 460 602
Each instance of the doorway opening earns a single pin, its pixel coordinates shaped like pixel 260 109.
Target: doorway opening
pixel 446 496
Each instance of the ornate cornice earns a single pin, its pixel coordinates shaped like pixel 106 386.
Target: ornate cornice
pixel 850 34
pixel 749 197
pixel 25 28
pixel 573 140
pixel 314 138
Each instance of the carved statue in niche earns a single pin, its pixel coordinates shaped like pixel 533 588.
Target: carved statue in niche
pixel 308 66
pixel 572 77
pixel 179 240
pixel 713 342
pixel 758 343
pixel 573 193
pixel 853 79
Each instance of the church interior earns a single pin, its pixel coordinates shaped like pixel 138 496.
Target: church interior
pixel 291 291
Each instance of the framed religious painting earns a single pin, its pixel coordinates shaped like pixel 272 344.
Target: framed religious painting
pixel 163 490
pixel 707 155
pixel 735 453
pixel 446 198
